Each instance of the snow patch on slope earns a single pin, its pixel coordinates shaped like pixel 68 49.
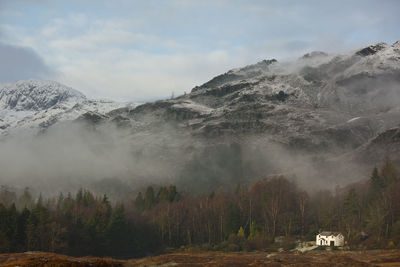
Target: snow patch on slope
pixel 36 104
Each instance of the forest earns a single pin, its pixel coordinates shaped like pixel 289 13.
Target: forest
pixel 269 214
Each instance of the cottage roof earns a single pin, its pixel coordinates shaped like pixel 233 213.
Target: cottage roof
pixel 327 233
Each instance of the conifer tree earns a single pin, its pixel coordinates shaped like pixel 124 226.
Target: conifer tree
pixel 375 187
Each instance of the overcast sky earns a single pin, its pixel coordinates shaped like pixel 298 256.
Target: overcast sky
pixel 129 50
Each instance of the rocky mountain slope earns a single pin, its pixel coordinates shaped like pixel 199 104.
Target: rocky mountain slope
pixel 316 103
pixel 318 107
pixel 36 104
pixel 304 117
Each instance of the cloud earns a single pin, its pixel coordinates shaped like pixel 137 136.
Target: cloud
pixel 109 60
pixel 140 76
pixel 105 58
pixel 138 50
pixel 18 63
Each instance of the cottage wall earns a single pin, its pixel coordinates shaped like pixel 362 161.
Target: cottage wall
pixel 322 240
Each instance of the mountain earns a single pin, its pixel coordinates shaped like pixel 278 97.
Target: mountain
pixel 325 118
pixel 304 112
pixel 38 104
pixel 316 102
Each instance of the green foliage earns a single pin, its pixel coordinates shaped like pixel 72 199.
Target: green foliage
pixel 241 234
pixel 232 221
pixel 375 220
pixel 376 187
pixel 351 213
pixel 351 205
pixel 25 200
pixel 165 194
pixel 168 194
pixel 254 233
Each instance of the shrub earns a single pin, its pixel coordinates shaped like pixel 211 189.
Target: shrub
pixel 223 245
pixel 256 243
pixel 390 245
pixel 206 247
pixel 233 248
pixel 233 239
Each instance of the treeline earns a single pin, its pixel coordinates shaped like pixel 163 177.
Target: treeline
pixel 271 213
pixel 80 225
pixel 368 214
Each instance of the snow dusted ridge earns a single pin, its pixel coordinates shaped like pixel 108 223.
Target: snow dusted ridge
pixel 319 102
pixel 36 104
pixel 36 95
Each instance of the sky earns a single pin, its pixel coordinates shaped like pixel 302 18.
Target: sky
pixel 128 50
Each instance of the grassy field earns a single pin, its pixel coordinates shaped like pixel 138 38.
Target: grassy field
pixel 315 258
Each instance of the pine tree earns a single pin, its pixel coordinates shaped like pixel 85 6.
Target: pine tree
pixel 375 187
pixel 11 231
pixel 25 200
pixel 5 243
pixel 118 234
pixel 351 212
pixel 20 236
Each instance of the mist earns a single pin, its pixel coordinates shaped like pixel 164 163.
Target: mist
pixel 111 157
pixel 107 158
pixel 73 155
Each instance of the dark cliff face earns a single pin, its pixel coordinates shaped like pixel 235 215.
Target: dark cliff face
pixel 371 50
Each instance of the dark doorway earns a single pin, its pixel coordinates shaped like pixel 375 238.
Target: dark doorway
pixel 332 243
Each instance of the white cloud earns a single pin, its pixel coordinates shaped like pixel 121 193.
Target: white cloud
pixel 107 60
pixel 137 75
pixel 137 50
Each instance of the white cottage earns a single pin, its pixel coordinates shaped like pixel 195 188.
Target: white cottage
pixel 335 239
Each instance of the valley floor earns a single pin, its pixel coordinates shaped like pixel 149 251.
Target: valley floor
pixel 315 258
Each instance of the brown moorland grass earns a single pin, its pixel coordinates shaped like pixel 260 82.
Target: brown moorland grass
pixel 193 259
pixel 43 259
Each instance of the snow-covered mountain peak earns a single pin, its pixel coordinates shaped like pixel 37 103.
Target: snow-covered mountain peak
pixel 37 104
pixel 36 95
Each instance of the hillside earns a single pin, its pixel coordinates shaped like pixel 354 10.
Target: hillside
pixel 299 118
pixel 320 107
